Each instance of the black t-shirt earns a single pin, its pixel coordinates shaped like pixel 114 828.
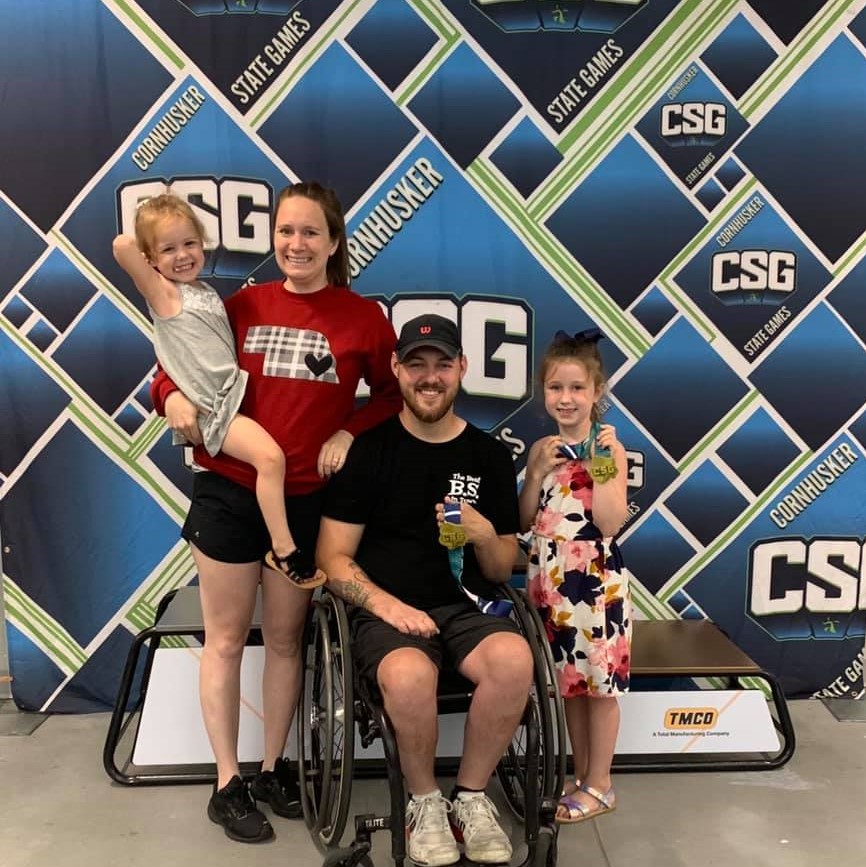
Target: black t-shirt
pixel 391 483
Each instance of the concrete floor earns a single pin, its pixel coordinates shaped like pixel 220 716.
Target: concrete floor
pixel 57 807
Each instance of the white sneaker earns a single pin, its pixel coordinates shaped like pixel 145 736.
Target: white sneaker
pixel 428 832
pixel 474 823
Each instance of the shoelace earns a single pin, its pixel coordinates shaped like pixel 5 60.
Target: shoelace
pixel 480 812
pixel 423 816
pixel 242 804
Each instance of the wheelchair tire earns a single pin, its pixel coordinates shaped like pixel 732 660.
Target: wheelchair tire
pixel 550 715
pixel 326 725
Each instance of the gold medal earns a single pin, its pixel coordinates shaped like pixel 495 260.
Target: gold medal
pixel 603 468
pixel 452 536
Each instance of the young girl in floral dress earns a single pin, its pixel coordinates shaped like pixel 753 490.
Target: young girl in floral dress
pixel 574 501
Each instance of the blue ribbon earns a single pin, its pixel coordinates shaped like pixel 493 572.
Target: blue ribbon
pixel 497 607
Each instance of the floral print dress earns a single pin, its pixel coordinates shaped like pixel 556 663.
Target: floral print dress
pixel 576 581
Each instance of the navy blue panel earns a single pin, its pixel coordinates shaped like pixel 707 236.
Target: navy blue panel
pixel 20 246
pixel 464 105
pixel 730 174
pixel 338 127
pixel 130 419
pixel 700 389
pixel 758 451
pixel 82 100
pixel 34 676
pixel 392 39
pixel 787 19
pixel 106 355
pixel 41 335
pixel 626 196
pixel 706 503
pixel 17 311
pixel 655 551
pixel 849 299
pixel 738 56
pixel 654 311
pixel 820 350
pixel 710 194
pixel 29 402
pixel 526 157
pixel 93 688
pixel 107 533
pixel 58 290
pixel 169 459
pixel 817 176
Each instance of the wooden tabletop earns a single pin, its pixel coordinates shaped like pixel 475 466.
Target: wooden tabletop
pixel 686 647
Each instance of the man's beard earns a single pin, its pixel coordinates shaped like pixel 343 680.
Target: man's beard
pixel 428 416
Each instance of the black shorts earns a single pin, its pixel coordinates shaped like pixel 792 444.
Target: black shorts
pixel 225 523
pixel 462 627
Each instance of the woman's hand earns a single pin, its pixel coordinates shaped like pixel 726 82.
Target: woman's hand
pixel 181 416
pixel 333 453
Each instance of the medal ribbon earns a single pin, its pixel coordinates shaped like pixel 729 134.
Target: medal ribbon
pixel 453 537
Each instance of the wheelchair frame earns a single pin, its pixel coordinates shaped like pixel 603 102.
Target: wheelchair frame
pixel 334 699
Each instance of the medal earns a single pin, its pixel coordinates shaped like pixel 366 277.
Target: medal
pixel 451 532
pixel 452 536
pixel 603 468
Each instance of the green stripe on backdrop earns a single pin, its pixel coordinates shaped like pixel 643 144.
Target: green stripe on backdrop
pixel 406 93
pixel 134 14
pixel 718 430
pixel 568 272
pixel 548 195
pixel 435 17
pixel 309 59
pixel 48 635
pixel 722 541
pixel 777 74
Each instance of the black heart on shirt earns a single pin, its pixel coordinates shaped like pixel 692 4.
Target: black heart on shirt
pixel 318 366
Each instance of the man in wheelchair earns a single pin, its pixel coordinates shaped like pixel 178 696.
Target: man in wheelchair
pixel 417 528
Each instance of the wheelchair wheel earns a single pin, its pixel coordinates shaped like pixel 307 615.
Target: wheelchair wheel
pixel 550 718
pixel 326 726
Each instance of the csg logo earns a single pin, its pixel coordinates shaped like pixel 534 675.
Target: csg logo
pixel 820 576
pixel 693 123
pixel 521 16
pixel 235 213
pixel 702 718
pixel 753 276
pixel 239 7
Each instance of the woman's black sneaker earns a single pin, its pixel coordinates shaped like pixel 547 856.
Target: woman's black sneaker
pixel 234 809
pixel 279 788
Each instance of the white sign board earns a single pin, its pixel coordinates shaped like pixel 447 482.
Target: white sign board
pixel 697 721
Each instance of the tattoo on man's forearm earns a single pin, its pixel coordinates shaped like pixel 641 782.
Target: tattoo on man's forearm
pixel 356 589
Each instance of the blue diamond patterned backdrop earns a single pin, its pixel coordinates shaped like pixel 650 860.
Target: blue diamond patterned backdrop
pixel 686 175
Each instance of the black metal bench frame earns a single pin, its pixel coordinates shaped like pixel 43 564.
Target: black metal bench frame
pixel 666 649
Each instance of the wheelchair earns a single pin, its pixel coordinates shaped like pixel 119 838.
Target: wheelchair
pixel 334 700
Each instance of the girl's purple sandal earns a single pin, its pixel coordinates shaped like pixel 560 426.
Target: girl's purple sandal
pixel 578 812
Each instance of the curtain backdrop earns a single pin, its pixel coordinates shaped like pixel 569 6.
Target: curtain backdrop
pixel 688 176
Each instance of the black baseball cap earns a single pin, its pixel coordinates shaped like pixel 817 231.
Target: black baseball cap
pixel 429 330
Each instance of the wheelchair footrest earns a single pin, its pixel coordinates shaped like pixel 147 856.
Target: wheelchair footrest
pixel 351 856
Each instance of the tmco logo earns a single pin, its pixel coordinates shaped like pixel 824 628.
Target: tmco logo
pixel 239 7
pixel 820 576
pixel 235 213
pixel 701 718
pixel 693 122
pixel 520 16
pixel 753 276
